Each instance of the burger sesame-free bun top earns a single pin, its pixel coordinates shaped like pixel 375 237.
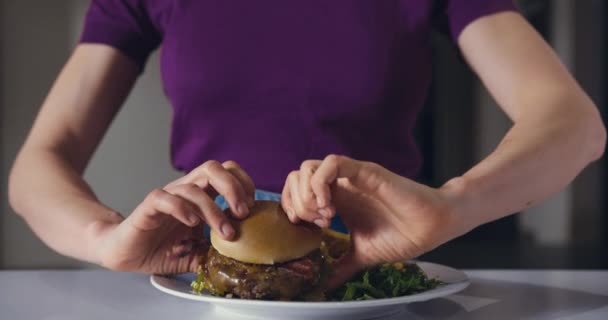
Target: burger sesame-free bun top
pixel 268 237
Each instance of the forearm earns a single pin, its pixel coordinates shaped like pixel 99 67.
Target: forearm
pixel 59 206
pixel 539 156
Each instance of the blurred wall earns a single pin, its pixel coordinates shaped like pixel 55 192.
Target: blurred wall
pixel 36 39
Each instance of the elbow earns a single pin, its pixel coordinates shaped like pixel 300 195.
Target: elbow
pixel 14 195
pixel 583 127
pixel 595 136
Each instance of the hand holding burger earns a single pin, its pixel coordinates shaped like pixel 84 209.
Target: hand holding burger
pixel 165 232
pixel 390 218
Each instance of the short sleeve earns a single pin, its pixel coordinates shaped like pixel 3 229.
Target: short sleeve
pixel 460 13
pixel 124 25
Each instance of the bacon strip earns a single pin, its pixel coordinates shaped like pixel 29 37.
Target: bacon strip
pixel 302 267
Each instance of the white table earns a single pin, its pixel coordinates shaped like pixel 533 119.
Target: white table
pixel 496 294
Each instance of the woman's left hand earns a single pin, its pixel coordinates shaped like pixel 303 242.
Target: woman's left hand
pixel 389 217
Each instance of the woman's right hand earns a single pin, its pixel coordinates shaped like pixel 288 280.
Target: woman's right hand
pixel 390 217
pixel 164 234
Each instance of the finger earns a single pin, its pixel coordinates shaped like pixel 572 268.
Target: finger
pixel 176 182
pixel 193 243
pixel 227 185
pixel 329 212
pixel 180 250
pixel 343 270
pixel 287 202
pixel 306 194
pixel 159 203
pixel 299 209
pixel 199 248
pixel 328 172
pixel 207 209
pixel 319 184
pixel 198 177
pixel 293 180
pixel 245 180
pixel 196 263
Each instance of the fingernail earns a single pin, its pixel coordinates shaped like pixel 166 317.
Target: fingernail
pixel 243 209
pixel 227 230
pixel 292 217
pixel 320 223
pixel 324 213
pixel 194 219
pixel 321 202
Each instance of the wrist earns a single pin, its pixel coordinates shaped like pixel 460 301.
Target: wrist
pixel 462 200
pixel 98 233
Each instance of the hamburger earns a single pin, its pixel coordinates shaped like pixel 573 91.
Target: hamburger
pixel 270 258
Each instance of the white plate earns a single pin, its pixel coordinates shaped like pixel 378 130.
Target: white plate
pixel 179 286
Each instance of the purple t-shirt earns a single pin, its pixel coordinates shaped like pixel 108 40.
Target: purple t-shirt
pixel 271 83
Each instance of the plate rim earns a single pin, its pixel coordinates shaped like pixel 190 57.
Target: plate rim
pixel 449 289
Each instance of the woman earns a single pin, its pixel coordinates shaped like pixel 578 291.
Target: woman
pixel 274 85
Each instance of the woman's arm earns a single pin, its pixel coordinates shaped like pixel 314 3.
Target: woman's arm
pixel 163 234
pixel 46 186
pixel 557 129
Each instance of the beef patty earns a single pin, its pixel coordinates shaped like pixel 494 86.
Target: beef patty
pixel 283 281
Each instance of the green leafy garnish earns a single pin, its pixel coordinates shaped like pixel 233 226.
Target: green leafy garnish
pixel 386 281
pixel 200 284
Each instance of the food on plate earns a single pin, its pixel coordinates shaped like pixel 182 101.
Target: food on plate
pixel 387 281
pixel 270 258
pixel 273 259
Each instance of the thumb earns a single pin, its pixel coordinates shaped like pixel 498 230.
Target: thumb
pixel 344 269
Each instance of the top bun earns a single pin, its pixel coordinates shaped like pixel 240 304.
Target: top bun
pixel 268 237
